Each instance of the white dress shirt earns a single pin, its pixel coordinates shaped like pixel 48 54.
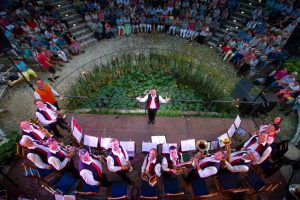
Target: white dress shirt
pixel 87 175
pixel 37 131
pixel 164 164
pixel 123 159
pixel 152 105
pixel 37 96
pixel 56 163
pixel 207 171
pixel 253 147
pixel 237 168
pixel 50 112
pixel 146 165
pixel 36 159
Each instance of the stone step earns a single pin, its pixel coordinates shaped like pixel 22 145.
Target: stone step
pixel 234 22
pixel 68 16
pixel 215 40
pixel 61 2
pixel 81 32
pixel 246 11
pixel 212 44
pixel 234 29
pixel 89 42
pixel 75 21
pixel 78 26
pixel 219 35
pixel 63 7
pixel 255 3
pixel 85 37
pixel 69 11
pixel 248 5
pixel 241 15
pixel 238 19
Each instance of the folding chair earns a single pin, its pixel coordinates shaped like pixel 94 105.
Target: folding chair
pixel 64 185
pixel 85 189
pixel 171 189
pixel 258 185
pixel 200 189
pixel 229 182
pixel 148 192
pixel 119 190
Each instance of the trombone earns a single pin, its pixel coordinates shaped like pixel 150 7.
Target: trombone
pixel 40 128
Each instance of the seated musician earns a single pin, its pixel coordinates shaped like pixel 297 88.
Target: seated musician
pixel 60 159
pixel 259 144
pixel 31 131
pixel 205 167
pixel 170 161
pixel 151 165
pixel 47 115
pixel 90 169
pixel 37 153
pixel 118 160
pixel 240 161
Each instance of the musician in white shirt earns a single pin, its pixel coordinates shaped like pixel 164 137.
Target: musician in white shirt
pixel 240 161
pixel 118 160
pixel 260 145
pixel 37 153
pixel 90 169
pixel 209 166
pixel 151 165
pixel 31 131
pixel 170 161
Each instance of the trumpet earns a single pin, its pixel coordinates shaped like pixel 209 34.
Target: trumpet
pixel 41 128
pixel 182 167
pixel 60 114
pixel 152 180
pixel 69 148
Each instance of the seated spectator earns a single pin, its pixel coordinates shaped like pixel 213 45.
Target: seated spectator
pixel 284 81
pixel 160 26
pixel 56 51
pixel 27 72
pixel 142 21
pixel 73 44
pixel 18 31
pixel 120 25
pixel 127 25
pixel 294 103
pixel 203 34
pixel 46 63
pixel 287 92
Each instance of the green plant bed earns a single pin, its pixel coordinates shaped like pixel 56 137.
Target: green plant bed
pixel 115 85
pixel 8 150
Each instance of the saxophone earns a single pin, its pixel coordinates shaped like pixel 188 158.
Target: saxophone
pixel 152 180
pixel 182 167
pixel 40 128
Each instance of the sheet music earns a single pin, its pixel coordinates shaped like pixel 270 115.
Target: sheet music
pixel 69 197
pixel 105 143
pixel 214 145
pixel 159 139
pixel 147 146
pixel 91 141
pixel 59 197
pixel 166 146
pixel 129 146
pixel 231 130
pixel 188 145
pixel 76 130
pixel 237 121
pixel 221 139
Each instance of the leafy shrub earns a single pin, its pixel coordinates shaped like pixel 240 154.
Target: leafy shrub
pixel 8 150
pixel 175 75
pixel 293 64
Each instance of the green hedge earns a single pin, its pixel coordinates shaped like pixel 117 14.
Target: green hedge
pixel 8 150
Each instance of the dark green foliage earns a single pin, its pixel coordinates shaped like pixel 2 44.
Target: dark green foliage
pixel 293 64
pixel 8 150
pixel 127 76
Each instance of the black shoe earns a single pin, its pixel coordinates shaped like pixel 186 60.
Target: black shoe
pixel 153 122
pixel 50 79
pixel 56 77
pixel 149 122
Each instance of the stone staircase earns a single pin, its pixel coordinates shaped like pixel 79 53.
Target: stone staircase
pixel 236 22
pixel 76 23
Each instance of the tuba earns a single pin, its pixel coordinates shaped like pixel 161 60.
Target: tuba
pixel 202 145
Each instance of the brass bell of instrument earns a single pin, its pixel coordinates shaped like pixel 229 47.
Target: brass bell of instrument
pixel 201 145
